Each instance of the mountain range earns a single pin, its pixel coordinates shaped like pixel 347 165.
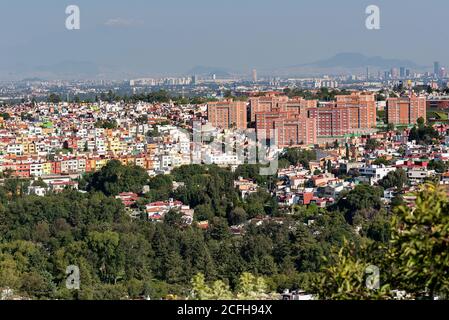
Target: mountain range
pixel 341 63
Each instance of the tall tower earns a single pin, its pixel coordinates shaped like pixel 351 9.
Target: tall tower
pixel 436 68
pixel 254 75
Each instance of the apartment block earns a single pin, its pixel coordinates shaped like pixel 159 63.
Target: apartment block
pixel 270 103
pixel 362 108
pixel 332 120
pixel 228 114
pixel 406 110
pixel 290 129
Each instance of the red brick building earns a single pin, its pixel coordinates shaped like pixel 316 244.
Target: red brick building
pixel 266 103
pixel 227 114
pixel 441 103
pixel 291 129
pixel 362 108
pixel 406 110
pixel 332 120
pixel 270 103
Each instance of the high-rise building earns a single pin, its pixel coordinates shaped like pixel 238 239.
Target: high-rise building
pixel 294 118
pixel 394 73
pixel 282 103
pixel 265 103
pixel 227 114
pixel 402 72
pixel 406 110
pixel 289 128
pixel 254 74
pixel 362 108
pixel 332 121
pixel 442 73
pixel 436 68
pixel 407 73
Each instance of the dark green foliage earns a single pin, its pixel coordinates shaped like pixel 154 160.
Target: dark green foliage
pixel 371 144
pixel 395 179
pixel 106 124
pixel 362 198
pixel 119 257
pixel 115 178
pixel 297 156
pixel 439 166
pixel 423 134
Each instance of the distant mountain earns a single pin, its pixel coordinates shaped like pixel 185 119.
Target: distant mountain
pixel 35 79
pixel 71 69
pixel 345 63
pixel 209 71
pixel 358 60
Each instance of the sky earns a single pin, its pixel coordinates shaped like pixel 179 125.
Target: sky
pixel 172 36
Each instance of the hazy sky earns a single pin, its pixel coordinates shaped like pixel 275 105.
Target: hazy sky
pixel 172 36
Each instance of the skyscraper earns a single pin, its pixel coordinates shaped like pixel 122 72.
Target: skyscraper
pixel 442 73
pixel 436 68
pixel 254 75
pixel 402 72
pixel 407 73
pixel 394 73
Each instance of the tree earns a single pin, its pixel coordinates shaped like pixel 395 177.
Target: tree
pixel 420 244
pixel 296 156
pixel 381 161
pixel 391 127
pixel 106 124
pixel 54 98
pixel 237 216
pixel 173 218
pixel 361 198
pixel 421 122
pixel 249 288
pixel 439 166
pixel 346 279
pixel 371 144
pixel 252 288
pixel 115 178
pixel 423 134
pixel 104 245
pixel 395 179
pixel 219 229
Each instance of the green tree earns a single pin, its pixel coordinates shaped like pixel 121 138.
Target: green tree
pixel 395 179
pixel 115 178
pixel 346 279
pixel 419 244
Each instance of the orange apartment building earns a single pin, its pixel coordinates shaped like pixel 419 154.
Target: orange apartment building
pixel 290 129
pixel 227 114
pixel 362 108
pixel 269 103
pixel 332 121
pixel 266 103
pixel 406 110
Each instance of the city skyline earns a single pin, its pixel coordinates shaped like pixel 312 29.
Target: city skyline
pixel 173 37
